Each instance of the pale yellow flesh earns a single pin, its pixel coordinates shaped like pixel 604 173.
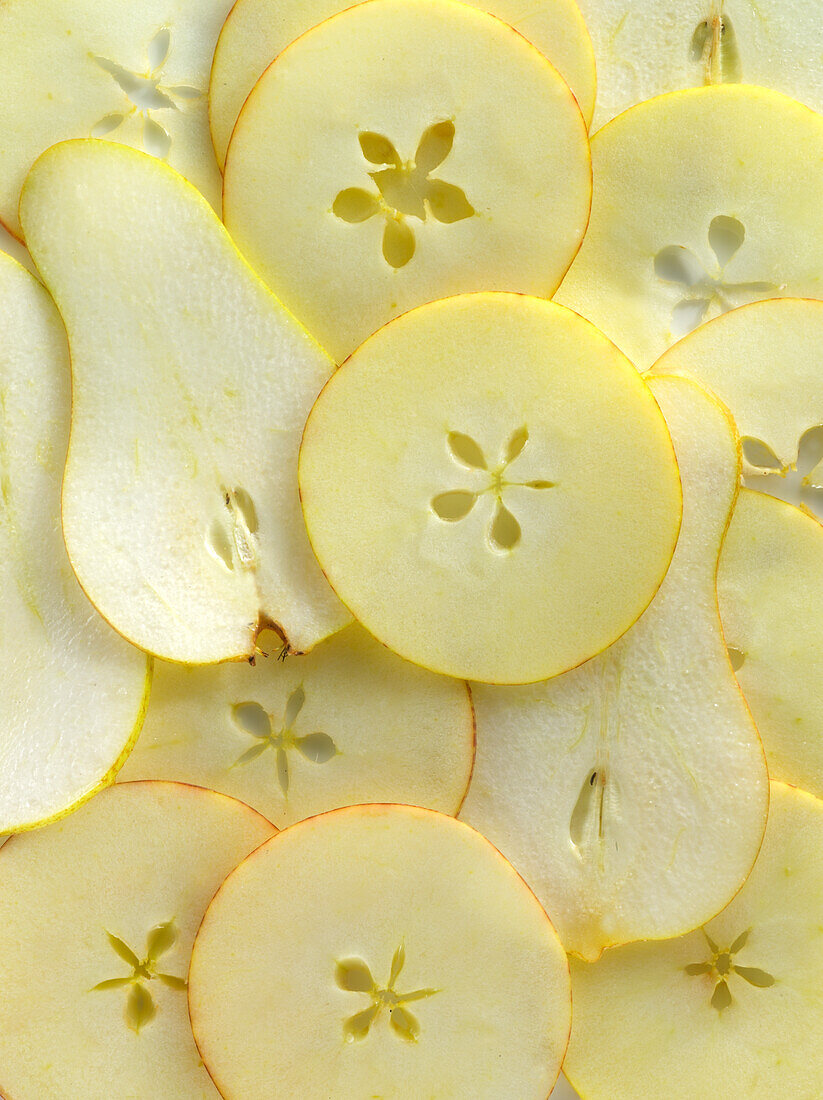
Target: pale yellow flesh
pixel 191 385
pixel 348 723
pixel 257 31
pixel 567 509
pixel 644 49
pixel 704 200
pixel 73 692
pixel 398 889
pixel 140 855
pixel 134 73
pixel 631 793
pixel 512 168
pixel 643 1026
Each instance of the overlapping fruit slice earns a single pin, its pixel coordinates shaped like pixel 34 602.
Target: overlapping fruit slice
pixel 136 73
pixel 351 722
pixel 691 217
pixel 734 1008
pixel 191 385
pixel 378 165
pixel 491 488
pixel 97 917
pixel 631 793
pixel 379 951
pixel 73 692
pixel 256 31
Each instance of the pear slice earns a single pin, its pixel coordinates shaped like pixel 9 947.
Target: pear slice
pixel 136 73
pixel 348 723
pixel 73 692
pixel 632 793
pixel 491 488
pixel 427 178
pixel 770 588
pixel 10 246
pixel 191 387
pixel 256 31
pixel 734 1009
pixel 645 49
pixel 689 218
pixel 97 917
pixel 379 951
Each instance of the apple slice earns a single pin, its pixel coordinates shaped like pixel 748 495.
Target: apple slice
pixel 349 723
pixel 691 216
pixel 612 789
pixel 383 161
pixel 191 385
pixel 645 49
pixel 490 486
pixel 73 692
pixel 256 31
pixel 734 1009
pixel 379 951
pixel 136 73
pixel 97 917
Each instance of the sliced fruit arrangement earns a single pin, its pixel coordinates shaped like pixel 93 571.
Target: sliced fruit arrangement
pixel 690 218
pixel 191 385
pixel 734 1008
pixel 136 73
pixel 97 918
pixel 256 31
pixel 379 951
pixel 73 692
pixel 427 178
pixel 348 723
pixel 516 480
pixel 644 762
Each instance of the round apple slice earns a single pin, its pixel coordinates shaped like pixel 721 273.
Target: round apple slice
pixel 351 722
pixel 491 488
pixel 256 31
pixel 689 218
pixel 73 692
pixel 97 917
pixel 734 1009
pixel 378 164
pixel 379 951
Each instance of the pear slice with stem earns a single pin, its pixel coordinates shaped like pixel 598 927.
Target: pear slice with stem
pixel 426 178
pixel 615 788
pixel 257 31
pixel 191 385
pixel 350 722
pixel 135 73
pixel 734 1008
pixel 73 692
pixel 688 218
pixel 645 49
pixel 379 951
pixel 97 918
pixel 491 488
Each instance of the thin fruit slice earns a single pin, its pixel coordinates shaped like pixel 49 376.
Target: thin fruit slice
pixel 491 488
pixel 770 588
pixel 349 723
pixel 10 246
pixel 191 387
pixel 73 692
pixel 632 793
pixel 136 73
pixel 377 166
pixel 379 951
pixel 735 1009
pixel 645 49
pixel 97 917
pixel 256 31
pixel 704 200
